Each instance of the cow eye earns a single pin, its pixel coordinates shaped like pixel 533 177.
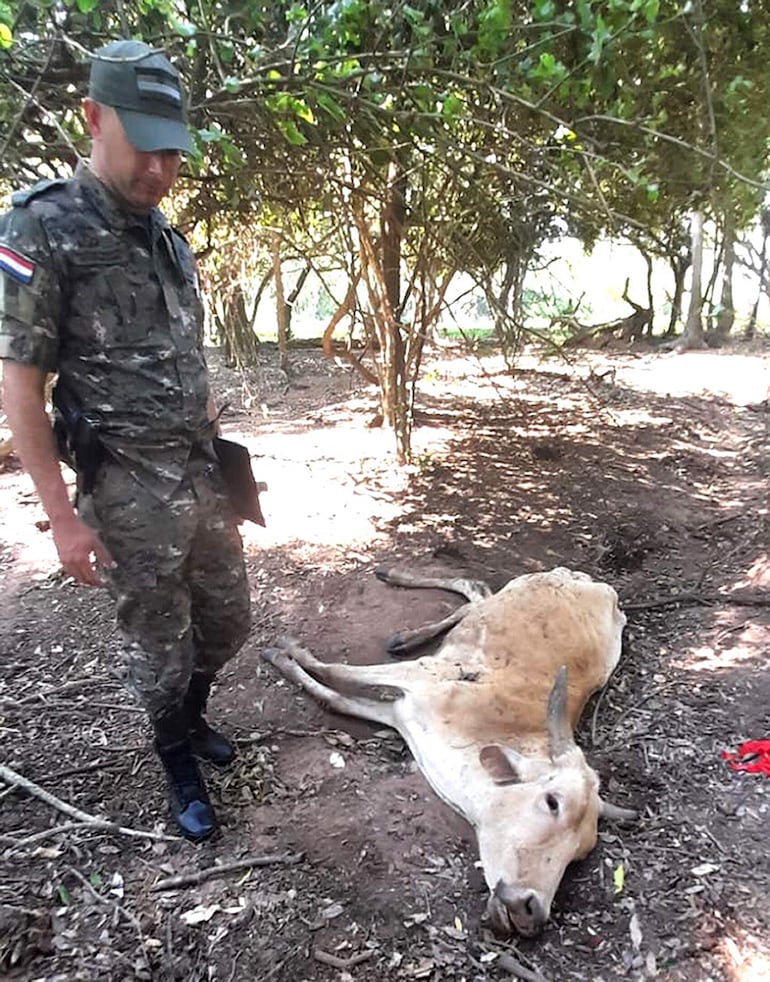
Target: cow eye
pixel 553 803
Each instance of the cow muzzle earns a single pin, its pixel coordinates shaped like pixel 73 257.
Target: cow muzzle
pixel 516 909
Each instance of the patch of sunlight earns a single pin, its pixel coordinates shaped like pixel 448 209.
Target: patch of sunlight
pixel 25 533
pixel 706 658
pixel 757 575
pixel 33 550
pixel 639 417
pixel 742 379
pixel 716 452
pixel 544 521
pixel 331 486
pixel 746 958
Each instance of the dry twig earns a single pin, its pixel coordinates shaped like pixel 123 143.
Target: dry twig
pixel 11 777
pixel 514 966
pixel 760 598
pixel 193 879
pixel 595 714
pixel 723 520
pixel 342 963
pixel 30 840
pixel 55 690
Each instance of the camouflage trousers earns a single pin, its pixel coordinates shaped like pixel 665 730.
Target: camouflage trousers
pixel 180 585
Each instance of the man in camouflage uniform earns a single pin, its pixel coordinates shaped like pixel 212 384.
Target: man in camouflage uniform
pixel 95 285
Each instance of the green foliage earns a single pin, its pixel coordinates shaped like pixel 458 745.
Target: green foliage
pixel 494 28
pixel 6 26
pixel 514 121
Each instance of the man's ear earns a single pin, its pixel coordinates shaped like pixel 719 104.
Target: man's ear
pixel 93 116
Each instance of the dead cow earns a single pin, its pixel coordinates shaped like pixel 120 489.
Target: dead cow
pixel 490 717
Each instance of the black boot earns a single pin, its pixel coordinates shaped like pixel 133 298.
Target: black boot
pixel 189 799
pixel 205 742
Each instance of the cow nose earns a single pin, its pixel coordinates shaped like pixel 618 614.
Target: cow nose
pixel 516 908
pixel 525 910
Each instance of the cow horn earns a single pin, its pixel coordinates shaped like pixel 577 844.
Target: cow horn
pixel 614 813
pixel 560 737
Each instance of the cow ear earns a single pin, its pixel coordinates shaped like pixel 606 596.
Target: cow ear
pixel 500 764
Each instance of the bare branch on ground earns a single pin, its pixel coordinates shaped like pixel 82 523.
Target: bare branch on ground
pixel 342 963
pixel 759 598
pixel 10 777
pixel 193 879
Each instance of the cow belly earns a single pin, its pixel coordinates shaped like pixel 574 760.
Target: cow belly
pixel 515 647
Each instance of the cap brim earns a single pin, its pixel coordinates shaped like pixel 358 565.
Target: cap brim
pixel 153 133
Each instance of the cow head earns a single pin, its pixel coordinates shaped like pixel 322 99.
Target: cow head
pixel 539 815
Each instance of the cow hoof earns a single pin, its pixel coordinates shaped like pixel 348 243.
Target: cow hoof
pixel 396 646
pixel 272 655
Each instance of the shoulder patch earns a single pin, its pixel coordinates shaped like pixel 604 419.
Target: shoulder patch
pixel 20 199
pixel 15 265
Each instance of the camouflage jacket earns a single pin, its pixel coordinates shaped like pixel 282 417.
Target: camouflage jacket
pixel 109 300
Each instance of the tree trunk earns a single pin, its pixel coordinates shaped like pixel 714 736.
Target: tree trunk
pixel 726 314
pixel 650 299
pixel 234 327
pixel 395 407
pixel 280 304
pixel 693 330
pixel 392 233
pixel 679 266
pixel 507 307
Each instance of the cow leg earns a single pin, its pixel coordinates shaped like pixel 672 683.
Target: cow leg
pixel 375 702
pixel 405 642
pixel 472 590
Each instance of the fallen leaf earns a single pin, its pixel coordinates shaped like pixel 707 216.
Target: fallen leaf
pixel 424 969
pixel 704 869
pixel 619 878
pixel 329 913
pixel 636 932
pixel 200 914
pixel 415 919
pixel 241 906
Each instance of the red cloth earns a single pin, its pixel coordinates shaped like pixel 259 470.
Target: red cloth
pixel 752 757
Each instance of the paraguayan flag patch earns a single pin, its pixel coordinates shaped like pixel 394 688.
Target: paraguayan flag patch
pixel 14 265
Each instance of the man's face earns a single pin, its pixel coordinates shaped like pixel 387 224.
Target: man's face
pixel 140 179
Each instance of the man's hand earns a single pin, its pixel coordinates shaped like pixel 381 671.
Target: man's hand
pixel 81 551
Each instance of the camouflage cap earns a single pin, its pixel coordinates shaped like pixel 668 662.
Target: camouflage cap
pixel 144 89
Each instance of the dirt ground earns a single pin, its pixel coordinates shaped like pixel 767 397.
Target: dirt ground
pixel 647 470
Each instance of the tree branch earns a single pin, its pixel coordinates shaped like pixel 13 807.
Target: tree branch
pixel 10 777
